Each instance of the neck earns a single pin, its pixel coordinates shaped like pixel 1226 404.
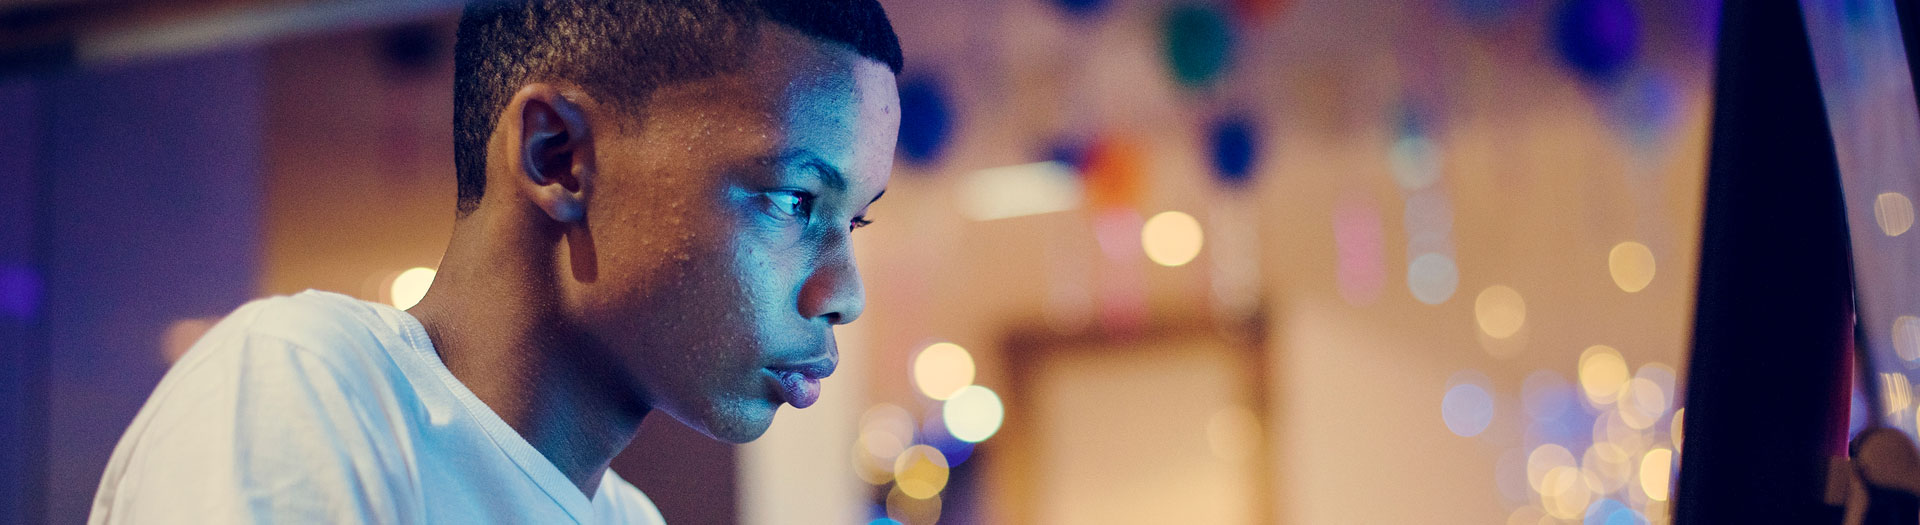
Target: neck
pixel 491 319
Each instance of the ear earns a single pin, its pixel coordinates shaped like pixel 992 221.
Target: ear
pixel 554 149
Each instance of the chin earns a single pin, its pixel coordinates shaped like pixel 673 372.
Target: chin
pixel 744 422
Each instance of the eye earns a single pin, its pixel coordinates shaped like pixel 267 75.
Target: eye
pixel 796 204
pixel 859 222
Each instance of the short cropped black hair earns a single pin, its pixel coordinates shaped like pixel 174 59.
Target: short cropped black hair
pixel 621 50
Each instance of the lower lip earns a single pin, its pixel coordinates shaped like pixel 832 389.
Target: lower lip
pixel 797 389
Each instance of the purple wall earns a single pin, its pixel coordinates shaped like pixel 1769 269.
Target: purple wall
pixel 152 215
pixel 18 300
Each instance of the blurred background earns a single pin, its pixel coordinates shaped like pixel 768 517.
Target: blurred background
pixel 1142 261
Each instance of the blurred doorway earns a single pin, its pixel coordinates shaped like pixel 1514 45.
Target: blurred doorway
pixel 1161 427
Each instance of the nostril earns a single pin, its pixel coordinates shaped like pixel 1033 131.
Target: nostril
pixel 833 318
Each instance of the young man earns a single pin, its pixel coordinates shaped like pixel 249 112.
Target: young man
pixel 656 202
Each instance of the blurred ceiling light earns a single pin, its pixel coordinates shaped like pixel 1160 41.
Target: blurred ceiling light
pixel 1894 212
pixel 921 472
pixel 941 369
pixel 1656 471
pixel 1501 311
pixel 1602 373
pixel 973 414
pixel 409 287
pixel 1018 191
pixel 1171 238
pixel 1632 266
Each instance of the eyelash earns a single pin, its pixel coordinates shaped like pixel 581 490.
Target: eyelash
pixel 803 208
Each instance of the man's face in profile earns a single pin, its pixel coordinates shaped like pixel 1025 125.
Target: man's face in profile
pixel 721 223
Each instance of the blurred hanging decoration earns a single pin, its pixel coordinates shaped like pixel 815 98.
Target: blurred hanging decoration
pixel 1071 150
pixel 926 119
pixel 1599 39
pixel 1199 44
pixel 1081 8
pixel 1259 12
pixel 1114 170
pixel 1234 144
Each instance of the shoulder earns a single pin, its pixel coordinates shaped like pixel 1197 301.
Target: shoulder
pixel 619 502
pixel 346 335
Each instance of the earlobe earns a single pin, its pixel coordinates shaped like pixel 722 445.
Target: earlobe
pixel 556 152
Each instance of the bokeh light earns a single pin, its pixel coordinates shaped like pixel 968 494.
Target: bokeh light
pixel 1656 473
pixel 1906 339
pixel 1171 238
pixel 1632 266
pixel 1564 492
pixel 920 472
pixel 1894 213
pixel 973 414
pixel 1501 311
pixel 1529 516
pixel 1607 467
pixel 1467 409
pixel 1642 403
pixel 909 510
pixel 1602 373
pixel 1546 396
pixel 409 287
pixel 941 369
pixel 1610 511
pixel 1545 459
pixel 1432 278
pixel 885 431
pixel 1415 161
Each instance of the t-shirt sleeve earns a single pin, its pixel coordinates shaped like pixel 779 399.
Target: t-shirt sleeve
pixel 255 429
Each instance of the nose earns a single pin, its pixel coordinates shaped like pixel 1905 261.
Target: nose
pixel 834 292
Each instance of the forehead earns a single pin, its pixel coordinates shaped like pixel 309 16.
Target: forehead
pixel 793 92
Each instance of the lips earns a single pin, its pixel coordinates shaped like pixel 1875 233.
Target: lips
pixel 799 384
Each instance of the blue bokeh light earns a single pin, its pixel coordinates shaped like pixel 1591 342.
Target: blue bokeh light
pixel 1467 409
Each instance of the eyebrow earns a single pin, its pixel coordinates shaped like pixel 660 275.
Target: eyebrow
pixel 829 174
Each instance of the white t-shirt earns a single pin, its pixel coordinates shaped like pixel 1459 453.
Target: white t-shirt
pixel 321 408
